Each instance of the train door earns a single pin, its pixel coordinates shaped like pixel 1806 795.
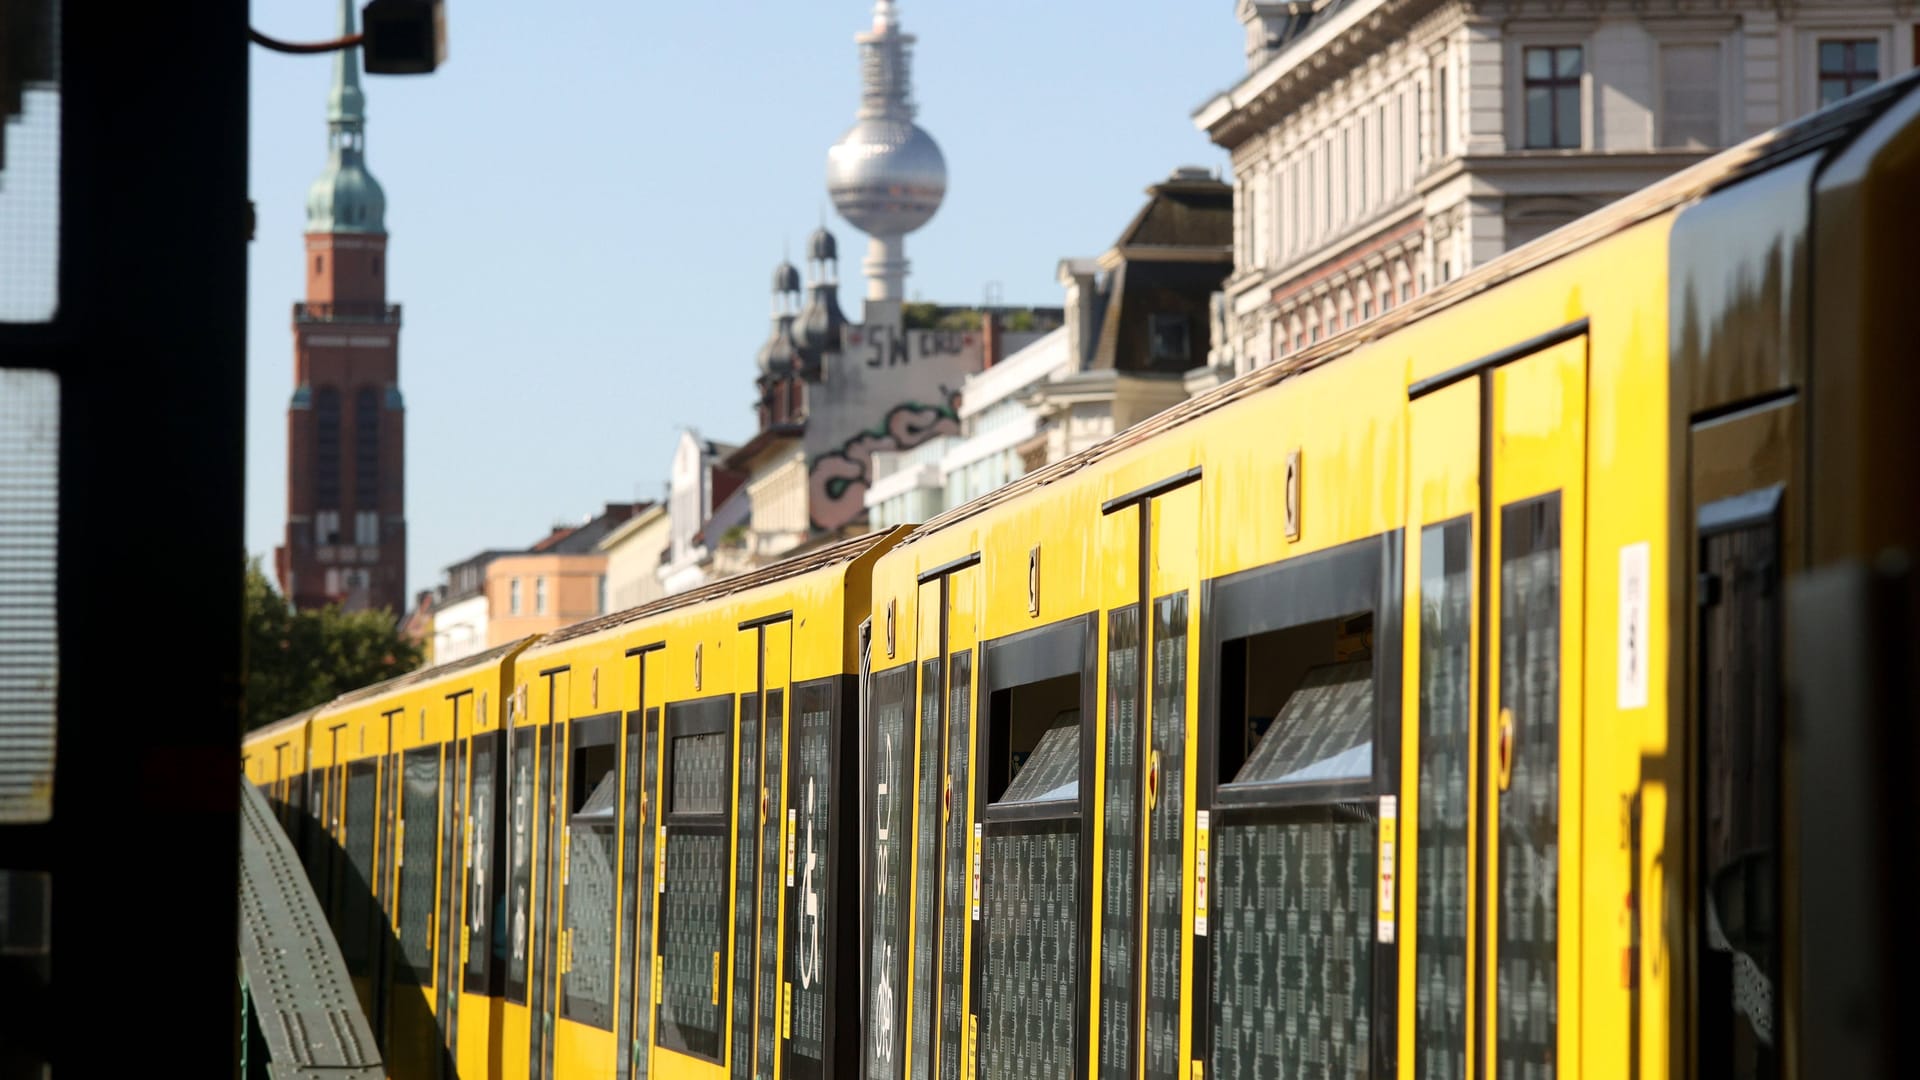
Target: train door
pixel 589 904
pixel 549 806
pixel 820 979
pixel 1497 503
pixel 1142 750
pixel 640 815
pixel 450 917
pixel 766 653
pixel 939 1032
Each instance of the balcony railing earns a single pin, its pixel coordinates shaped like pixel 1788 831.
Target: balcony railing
pixel 347 311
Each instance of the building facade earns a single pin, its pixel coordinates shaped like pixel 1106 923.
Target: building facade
pixel 1383 147
pixel 346 532
pixel 634 553
pixel 697 484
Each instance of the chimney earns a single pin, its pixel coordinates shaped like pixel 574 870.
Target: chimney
pixel 990 332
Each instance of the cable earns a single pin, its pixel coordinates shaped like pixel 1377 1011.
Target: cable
pixel 277 45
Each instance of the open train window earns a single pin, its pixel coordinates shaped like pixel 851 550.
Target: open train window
pixel 695 904
pixel 1304 743
pixel 593 802
pixel 1036 857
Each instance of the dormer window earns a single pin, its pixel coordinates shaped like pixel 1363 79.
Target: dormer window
pixel 1168 341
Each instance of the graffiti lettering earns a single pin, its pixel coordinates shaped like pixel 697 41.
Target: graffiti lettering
pixel 838 480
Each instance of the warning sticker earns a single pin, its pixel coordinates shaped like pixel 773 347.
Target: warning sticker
pixel 1200 859
pixel 1635 624
pixel 1389 829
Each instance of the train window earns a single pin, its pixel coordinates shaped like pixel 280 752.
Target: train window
pixel 1166 819
pixel 593 791
pixel 1305 692
pixel 520 899
pixel 746 896
pixel 957 883
pixel 486 943
pixel 926 870
pixel 1308 705
pixel 693 919
pixel 891 756
pixel 813 893
pixel 767 1007
pixel 1741 728
pixel 356 891
pixel 647 818
pixel 1034 899
pixel 1440 949
pixel 418 805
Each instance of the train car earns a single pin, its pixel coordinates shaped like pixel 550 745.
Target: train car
pixel 274 759
pixel 401 843
pixel 680 881
pixel 1413 707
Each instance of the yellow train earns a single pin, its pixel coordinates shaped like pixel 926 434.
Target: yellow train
pixel 1417 707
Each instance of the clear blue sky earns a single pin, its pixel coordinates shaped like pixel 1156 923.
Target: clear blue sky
pixel 586 203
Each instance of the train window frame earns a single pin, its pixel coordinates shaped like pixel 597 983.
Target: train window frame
pixel 711 715
pixel 589 733
pixel 1071 646
pixel 1364 575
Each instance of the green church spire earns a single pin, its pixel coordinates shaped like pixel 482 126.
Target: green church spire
pixel 346 198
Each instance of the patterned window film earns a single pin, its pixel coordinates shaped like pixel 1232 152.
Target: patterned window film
pixel 694 904
pixel 486 940
pixel 926 871
pixel 643 924
pixel 1324 732
pixel 356 905
pixel 767 988
pixel 419 837
pixel 1030 1008
pixel 1120 846
pixel 810 894
pixel 1166 871
pixel 29 538
pixel 588 983
pixel 520 890
pixel 889 750
pixel 625 1042
pixel 1529 813
pixel 956 879
pixel 1292 924
pixel 746 885
pixel 1440 946
pixel 1051 773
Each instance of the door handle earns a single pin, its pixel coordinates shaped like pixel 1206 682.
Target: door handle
pixel 1507 735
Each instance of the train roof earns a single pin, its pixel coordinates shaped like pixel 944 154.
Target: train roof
pixel 1838 123
pixel 414 678
pixel 283 725
pixel 830 555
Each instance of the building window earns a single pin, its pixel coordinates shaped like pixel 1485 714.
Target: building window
pixel 326 527
pixel 602 590
pixel 326 446
pixel 318 262
pixel 366 446
pixel 540 595
pixel 513 597
pixel 1690 95
pixel 366 528
pixel 1406 291
pixel 1440 110
pixel 1847 67
pixel 1553 97
pixel 1366 309
pixel 376 266
pixel 1169 344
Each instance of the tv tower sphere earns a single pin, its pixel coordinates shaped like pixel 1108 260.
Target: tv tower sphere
pixel 886 175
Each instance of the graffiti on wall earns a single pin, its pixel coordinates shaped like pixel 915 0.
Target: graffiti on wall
pixel 838 479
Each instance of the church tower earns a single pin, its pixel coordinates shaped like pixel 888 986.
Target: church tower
pixel 346 538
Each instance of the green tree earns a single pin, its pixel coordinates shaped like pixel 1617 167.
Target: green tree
pixel 299 659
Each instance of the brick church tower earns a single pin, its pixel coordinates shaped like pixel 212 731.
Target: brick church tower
pixel 346 539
